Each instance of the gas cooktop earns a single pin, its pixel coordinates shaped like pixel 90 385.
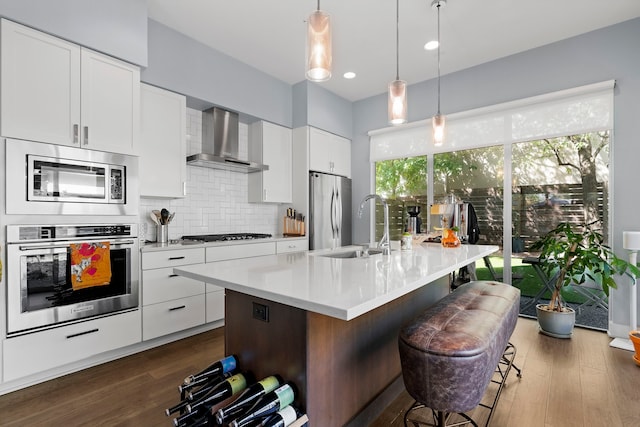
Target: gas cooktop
pixel 225 237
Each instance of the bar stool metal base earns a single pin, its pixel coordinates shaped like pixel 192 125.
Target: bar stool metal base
pixel 441 418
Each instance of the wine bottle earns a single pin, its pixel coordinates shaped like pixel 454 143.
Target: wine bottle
pixel 209 384
pixel 187 419
pixel 221 366
pixel 225 389
pixel 182 405
pixel 198 383
pixel 201 421
pixel 207 387
pixel 270 403
pixel 282 418
pixel 247 398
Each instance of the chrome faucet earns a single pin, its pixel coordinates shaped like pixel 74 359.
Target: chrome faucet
pixel 384 241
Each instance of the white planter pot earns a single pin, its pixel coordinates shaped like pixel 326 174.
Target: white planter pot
pixel 558 324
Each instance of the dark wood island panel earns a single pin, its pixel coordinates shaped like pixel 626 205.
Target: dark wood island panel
pixel 339 366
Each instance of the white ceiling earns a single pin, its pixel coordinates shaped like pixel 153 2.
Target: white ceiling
pixel 270 35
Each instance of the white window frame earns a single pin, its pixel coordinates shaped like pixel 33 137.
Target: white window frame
pixel 582 109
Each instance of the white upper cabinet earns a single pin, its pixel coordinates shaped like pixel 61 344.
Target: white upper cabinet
pixel 40 86
pixel 163 166
pixel 329 153
pixel 57 92
pixel 270 144
pixel 110 103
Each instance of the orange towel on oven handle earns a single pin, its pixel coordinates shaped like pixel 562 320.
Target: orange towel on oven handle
pixel 90 265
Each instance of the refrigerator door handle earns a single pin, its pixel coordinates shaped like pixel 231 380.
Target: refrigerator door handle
pixel 338 215
pixel 332 215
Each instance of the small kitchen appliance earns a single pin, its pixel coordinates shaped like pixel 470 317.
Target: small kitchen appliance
pixel 414 222
pixel 58 180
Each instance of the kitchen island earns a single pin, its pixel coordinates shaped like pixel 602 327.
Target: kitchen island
pixel 328 323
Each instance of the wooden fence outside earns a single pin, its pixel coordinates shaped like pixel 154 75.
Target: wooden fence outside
pixel 536 210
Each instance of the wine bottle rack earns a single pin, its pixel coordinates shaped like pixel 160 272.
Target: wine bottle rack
pixel 265 395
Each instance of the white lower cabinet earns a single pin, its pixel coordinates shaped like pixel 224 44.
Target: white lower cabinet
pixel 162 285
pixel 171 303
pixel 221 253
pixel 32 353
pixel 215 303
pixel 172 316
pixel 215 294
pixel 292 245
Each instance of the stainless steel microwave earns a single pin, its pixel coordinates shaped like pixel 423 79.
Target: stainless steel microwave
pixel 58 180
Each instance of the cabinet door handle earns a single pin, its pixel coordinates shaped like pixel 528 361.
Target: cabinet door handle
pixel 174 275
pixel 184 188
pixel 86 135
pixel 177 308
pixel 173 258
pixel 82 333
pixel 75 133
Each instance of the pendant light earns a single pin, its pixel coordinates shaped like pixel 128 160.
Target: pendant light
pixel 438 121
pixel 397 104
pixel 318 46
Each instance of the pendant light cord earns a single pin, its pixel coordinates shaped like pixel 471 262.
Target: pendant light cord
pixel 438 58
pixel 397 39
pixel 318 4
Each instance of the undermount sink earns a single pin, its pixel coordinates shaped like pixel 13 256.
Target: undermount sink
pixel 354 253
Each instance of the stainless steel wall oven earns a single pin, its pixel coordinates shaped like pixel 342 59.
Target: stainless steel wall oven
pixel 61 273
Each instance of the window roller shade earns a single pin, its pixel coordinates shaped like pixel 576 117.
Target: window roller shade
pixel 568 112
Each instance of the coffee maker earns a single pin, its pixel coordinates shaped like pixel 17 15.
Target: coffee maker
pixel 414 222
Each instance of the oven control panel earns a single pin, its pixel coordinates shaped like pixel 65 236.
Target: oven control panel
pixel 38 233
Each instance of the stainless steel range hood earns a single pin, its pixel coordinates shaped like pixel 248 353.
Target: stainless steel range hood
pixel 220 142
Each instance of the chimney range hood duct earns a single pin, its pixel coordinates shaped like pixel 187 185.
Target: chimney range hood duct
pixel 220 144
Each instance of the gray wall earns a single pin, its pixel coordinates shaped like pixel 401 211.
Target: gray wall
pixel 209 77
pixel 115 27
pixel 315 106
pixel 606 54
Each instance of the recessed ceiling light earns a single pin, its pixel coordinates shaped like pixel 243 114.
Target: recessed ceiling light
pixel 349 75
pixel 432 45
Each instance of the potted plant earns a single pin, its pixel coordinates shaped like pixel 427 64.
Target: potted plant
pixel 574 256
pixel 634 336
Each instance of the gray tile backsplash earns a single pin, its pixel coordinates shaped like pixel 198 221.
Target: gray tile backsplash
pixel 216 200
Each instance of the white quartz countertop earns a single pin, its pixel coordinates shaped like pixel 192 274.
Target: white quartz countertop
pixel 180 244
pixel 343 288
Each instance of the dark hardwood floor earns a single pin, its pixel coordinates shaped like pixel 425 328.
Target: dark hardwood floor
pixel 576 382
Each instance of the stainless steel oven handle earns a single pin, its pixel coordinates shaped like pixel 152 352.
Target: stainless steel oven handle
pixel 35 248
pixel 121 242
pixel 115 243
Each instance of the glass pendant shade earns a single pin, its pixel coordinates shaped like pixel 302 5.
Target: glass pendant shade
pixel 438 129
pixel 397 102
pixel 319 47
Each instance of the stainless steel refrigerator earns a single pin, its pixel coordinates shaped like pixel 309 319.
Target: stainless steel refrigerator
pixel 329 211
